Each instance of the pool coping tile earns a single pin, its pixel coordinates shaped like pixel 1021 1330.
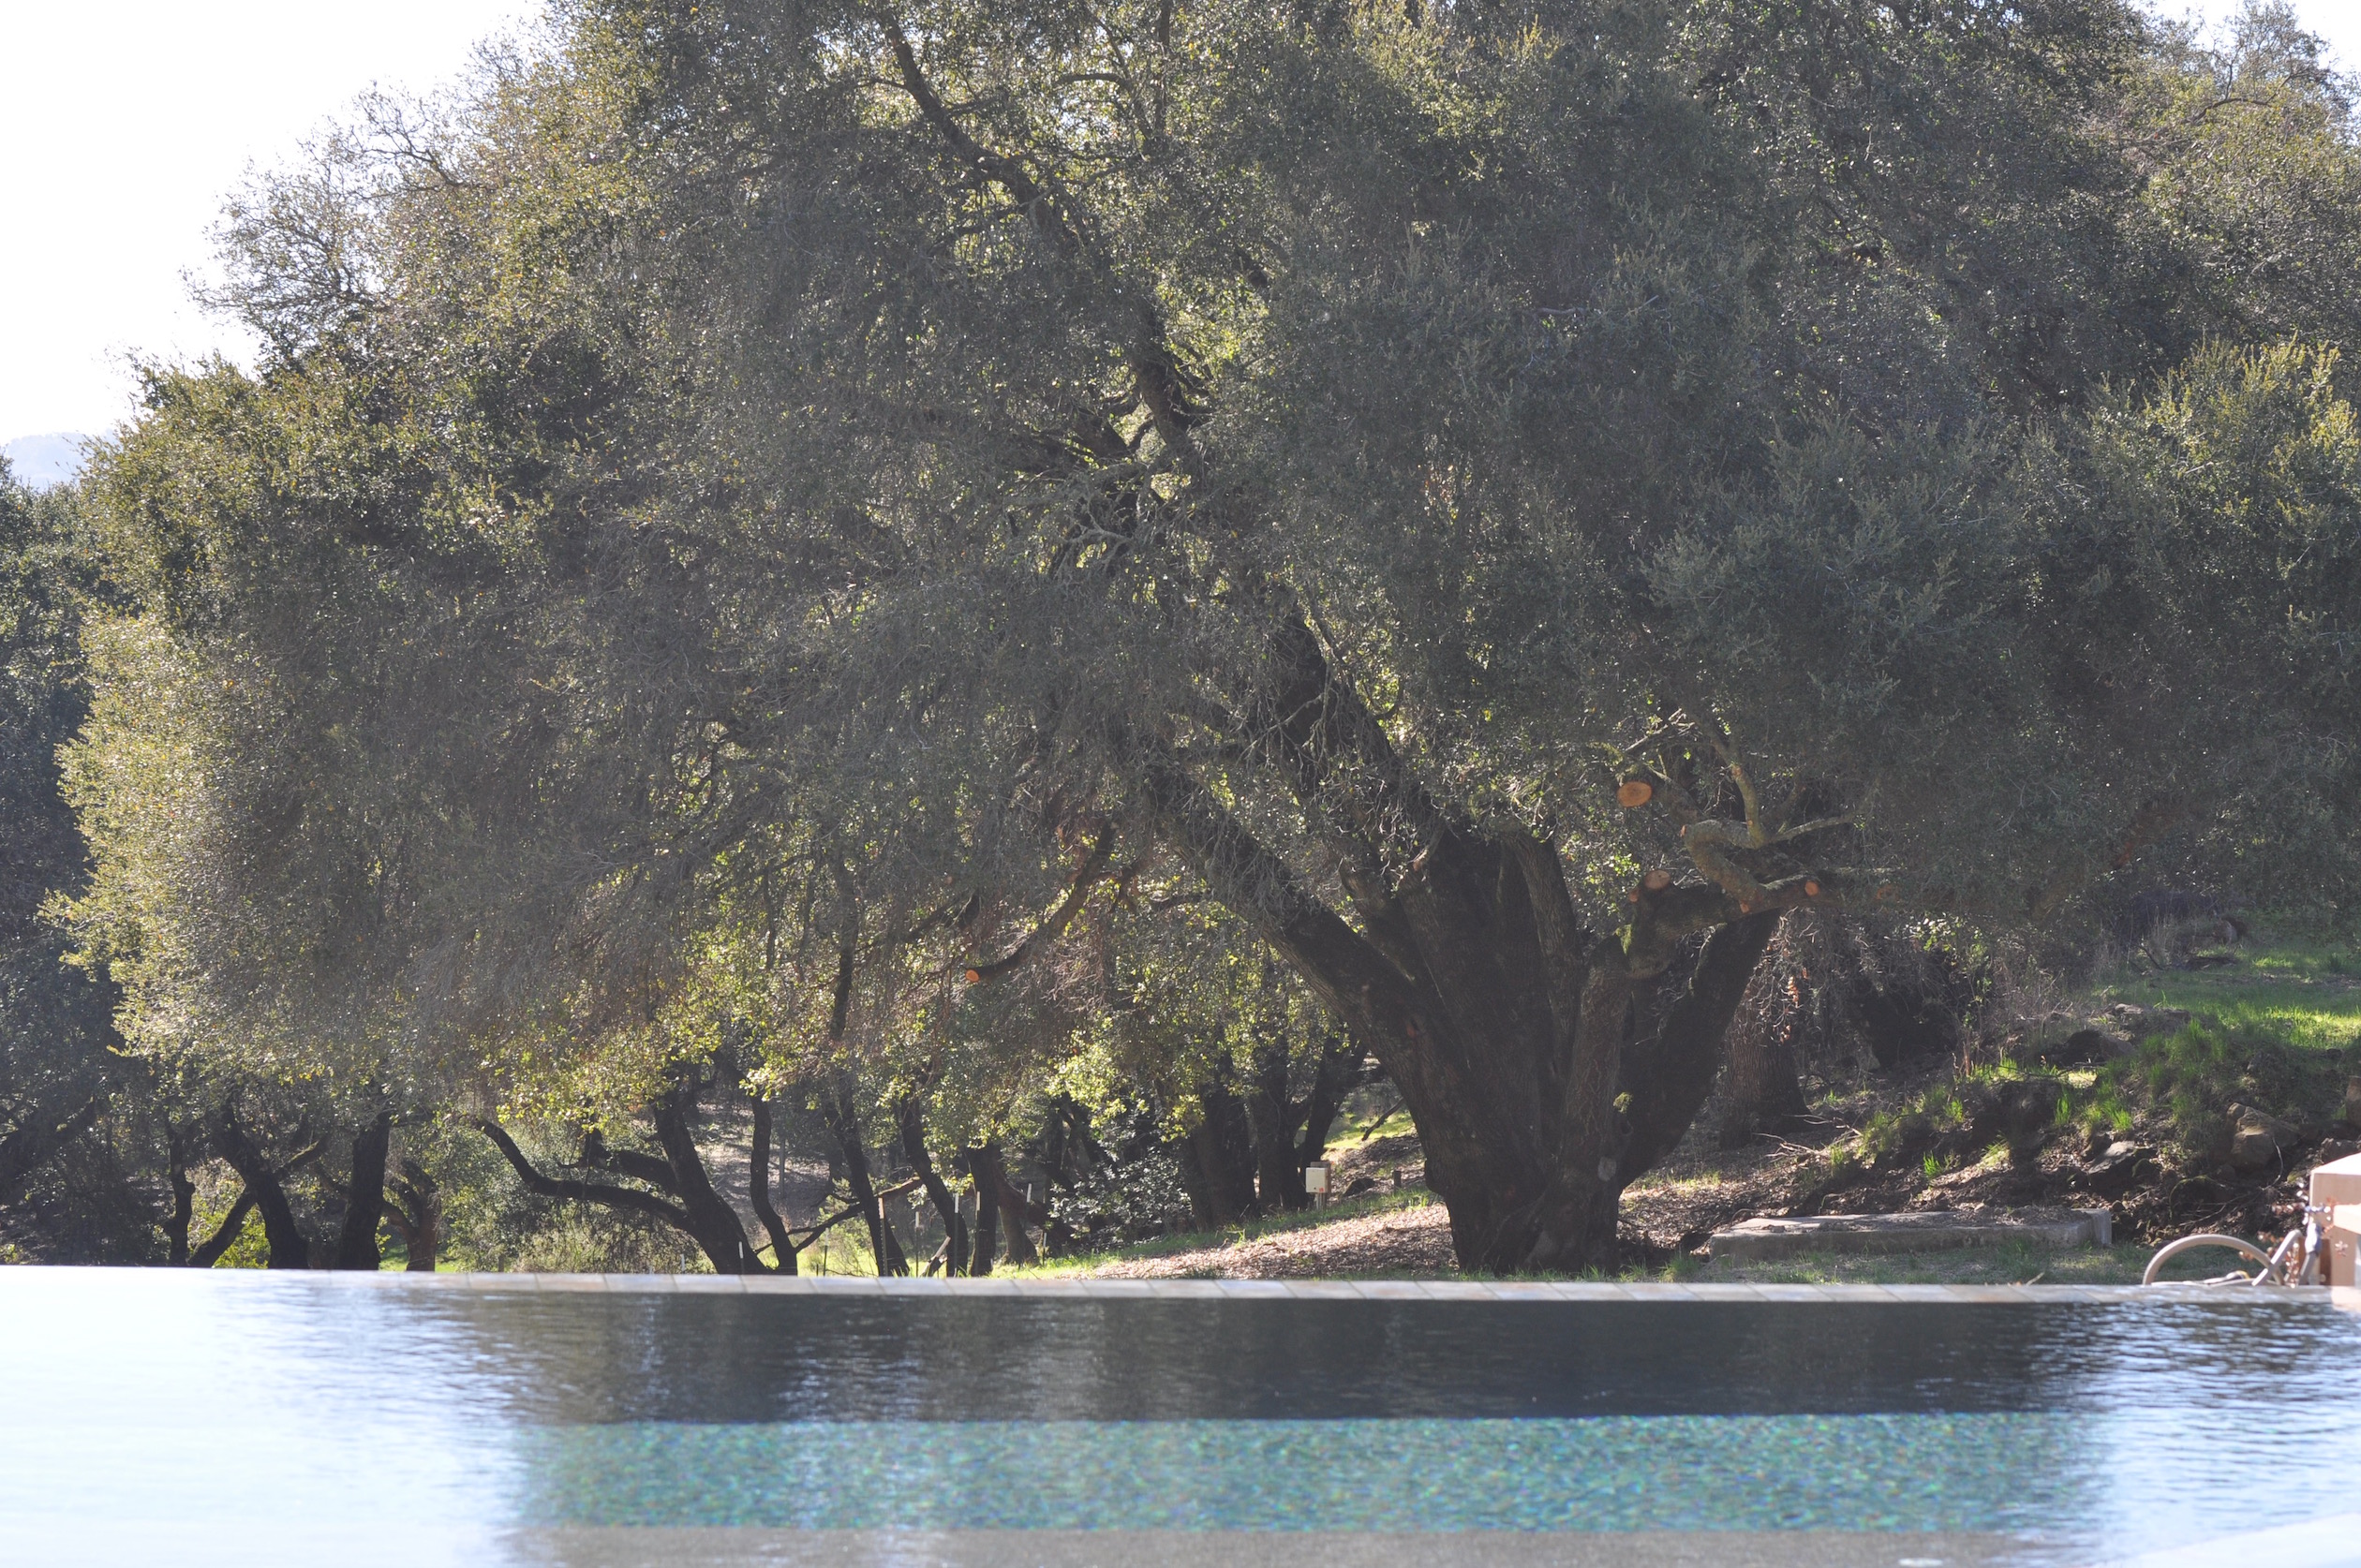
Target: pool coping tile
pixel 1074 1287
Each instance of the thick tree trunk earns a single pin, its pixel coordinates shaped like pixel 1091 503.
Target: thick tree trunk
pixel 1762 1091
pixel 712 1222
pixel 758 1190
pixel 983 1165
pixel 288 1247
pixel 365 1196
pixel 1217 1161
pixel 1502 1021
pixel 910 1121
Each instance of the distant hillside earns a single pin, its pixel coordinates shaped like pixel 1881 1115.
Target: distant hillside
pixel 41 461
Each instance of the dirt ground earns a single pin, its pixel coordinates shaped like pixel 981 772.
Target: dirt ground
pixel 1391 1244
pixel 1701 1188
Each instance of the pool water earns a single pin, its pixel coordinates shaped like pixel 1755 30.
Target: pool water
pixel 196 1418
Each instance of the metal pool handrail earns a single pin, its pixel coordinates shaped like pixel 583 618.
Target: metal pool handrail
pixel 2295 1261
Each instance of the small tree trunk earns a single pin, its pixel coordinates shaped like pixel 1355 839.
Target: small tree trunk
pixel 1670 1077
pixel 1338 1068
pixel 1271 1121
pixel 364 1197
pixel 758 1190
pixel 184 1206
pixel 288 1247
pixel 982 1167
pixel 1762 1092
pixel 910 1118
pixel 844 1122
pixel 232 1227
pixel 417 1218
pixel 1012 1206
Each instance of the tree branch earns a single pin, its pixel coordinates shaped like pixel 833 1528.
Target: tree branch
pixel 1093 870
pixel 232 1225
pixel 851 1211
pixel 581 1192
pixel 1350 975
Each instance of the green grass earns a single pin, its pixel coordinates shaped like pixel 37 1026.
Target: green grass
pixel 2281 1029
pixel 1397 1125
pixel 2307 995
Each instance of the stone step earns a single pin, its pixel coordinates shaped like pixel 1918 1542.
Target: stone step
pixel 1926 1231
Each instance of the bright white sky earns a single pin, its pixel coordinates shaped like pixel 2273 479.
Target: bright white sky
pixel 122 123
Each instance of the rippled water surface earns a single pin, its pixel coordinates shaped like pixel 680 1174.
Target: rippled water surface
pixel 194 1418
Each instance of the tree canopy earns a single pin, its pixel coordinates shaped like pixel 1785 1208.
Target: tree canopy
pixel 756 516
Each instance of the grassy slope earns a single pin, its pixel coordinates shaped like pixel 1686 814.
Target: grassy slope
pixel 2305 995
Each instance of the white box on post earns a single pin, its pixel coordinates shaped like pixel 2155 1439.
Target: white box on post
pixel 2337 1187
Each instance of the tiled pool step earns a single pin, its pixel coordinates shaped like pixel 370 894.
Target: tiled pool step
pixel 1927 1231
pixel 1300 1290
pixel 2330 1542
pixel 2327 1543
pixel 1141 1549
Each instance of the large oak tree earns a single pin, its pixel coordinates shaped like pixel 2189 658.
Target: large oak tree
pixel 1511 498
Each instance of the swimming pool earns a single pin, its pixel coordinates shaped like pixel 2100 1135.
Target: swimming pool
pixel 196 1418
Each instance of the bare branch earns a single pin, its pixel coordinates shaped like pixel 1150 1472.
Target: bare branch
pixel 630 1198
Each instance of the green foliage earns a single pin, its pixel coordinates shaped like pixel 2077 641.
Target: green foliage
pixel 67 1187
pixel 2187 1081
pixel 1993 1113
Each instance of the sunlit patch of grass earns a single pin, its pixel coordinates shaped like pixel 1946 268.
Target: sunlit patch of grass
pixel 841 1250
pixel 1397 1125
pixel 2307 995
pixel 1192 1241
pixel 1693 1181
